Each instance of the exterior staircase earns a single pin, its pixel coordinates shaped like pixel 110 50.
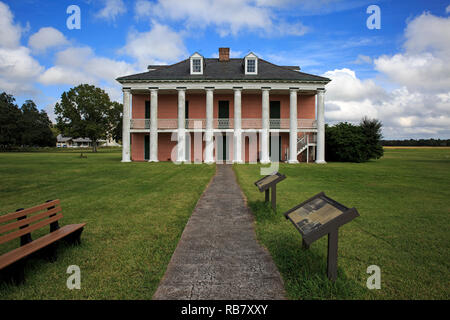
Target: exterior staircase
pixel 304 142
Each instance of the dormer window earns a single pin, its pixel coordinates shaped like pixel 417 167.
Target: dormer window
pixel 196 64
pixel 251 64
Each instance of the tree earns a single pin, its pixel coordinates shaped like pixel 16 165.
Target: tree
pixel 344 142
pixel 36 126
pixel 85 111
pixel 351 143
pixel 10 130
pixel 371 128
pixel 116 121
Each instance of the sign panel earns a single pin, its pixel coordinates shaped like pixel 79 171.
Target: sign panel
pixel 320 216
pixel 313 214
pixel 270 180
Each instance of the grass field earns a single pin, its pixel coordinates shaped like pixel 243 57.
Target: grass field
pixel 135 214
pixel 404 203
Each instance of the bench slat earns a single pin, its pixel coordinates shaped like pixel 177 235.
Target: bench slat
pixel 21 232
pixel 21 252
pixel 18 214
pixel 20 223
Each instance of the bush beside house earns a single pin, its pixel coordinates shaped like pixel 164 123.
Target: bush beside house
pixel 353 143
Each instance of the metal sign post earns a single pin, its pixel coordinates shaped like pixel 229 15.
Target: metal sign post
pixel 320 216
pixel 270 181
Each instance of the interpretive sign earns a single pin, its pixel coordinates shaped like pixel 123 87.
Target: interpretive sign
pixel 270 181
pixel 319 216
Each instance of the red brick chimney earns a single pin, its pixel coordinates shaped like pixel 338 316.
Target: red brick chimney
pixel 224 54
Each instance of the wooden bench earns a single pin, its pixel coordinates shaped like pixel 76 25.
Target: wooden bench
pixel 21 223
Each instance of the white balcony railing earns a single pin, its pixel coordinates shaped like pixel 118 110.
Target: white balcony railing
pixel 306 123
pixel 247 123
pixel 140 124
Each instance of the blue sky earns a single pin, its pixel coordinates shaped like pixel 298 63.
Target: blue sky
pixel 399 73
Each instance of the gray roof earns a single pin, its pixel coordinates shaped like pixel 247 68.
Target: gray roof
pixel 61 138
pixel 82 140
pixel 225 70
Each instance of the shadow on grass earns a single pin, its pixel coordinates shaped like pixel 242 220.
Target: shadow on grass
pixel 304 272
pixel 262 210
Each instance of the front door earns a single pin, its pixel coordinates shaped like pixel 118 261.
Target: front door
pixel 147 147
pixel 275 114
pixel 224 114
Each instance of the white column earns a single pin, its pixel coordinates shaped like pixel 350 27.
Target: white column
pixel 153 125
pixel 181 146
pixel 293 126
pixel 265 126
pixel 209 143
pixel 320 126
pixel 126 125
pixel 237 126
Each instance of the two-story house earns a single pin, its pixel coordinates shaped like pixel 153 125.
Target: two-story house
pixel 221 109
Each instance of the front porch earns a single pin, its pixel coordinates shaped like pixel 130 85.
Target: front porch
pixel 226 114
pixel 224 146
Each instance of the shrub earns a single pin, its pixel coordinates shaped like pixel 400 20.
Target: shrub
pixel 353 143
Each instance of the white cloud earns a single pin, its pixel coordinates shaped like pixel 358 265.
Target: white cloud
pixel 45 38
pixel 420 106
pixel 76 65
pixel 428 33
pixel 228 17
pixel 112 9
pixel 417 72
pixel 160 45
pixel 425 64
pixel 447 10
pixel 18 69
pixel 10 33
pixel 345 86
pixel 142 9
pixel 20 72
pixel 362 59
pixel 403 113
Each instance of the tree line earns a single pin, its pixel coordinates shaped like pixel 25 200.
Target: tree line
pixel 417 143
pixel 25 126
pixel 84 111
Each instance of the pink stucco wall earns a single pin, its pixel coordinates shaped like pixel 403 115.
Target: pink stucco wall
pixel 167 148
pixel 251 108
pixel 137 146
pixel 306 106
pixel 251 105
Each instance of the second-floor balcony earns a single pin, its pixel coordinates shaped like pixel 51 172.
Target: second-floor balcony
pixel 256 123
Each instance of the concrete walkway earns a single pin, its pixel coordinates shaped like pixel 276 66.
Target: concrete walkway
pixel 218 256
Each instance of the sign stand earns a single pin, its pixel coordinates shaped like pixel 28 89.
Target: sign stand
pixel 270 182
pixel 320 216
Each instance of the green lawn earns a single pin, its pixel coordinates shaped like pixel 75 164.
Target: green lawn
pixel 404 203
pixel 135 214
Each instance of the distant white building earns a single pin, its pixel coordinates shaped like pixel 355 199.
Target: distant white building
pixel 69 142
